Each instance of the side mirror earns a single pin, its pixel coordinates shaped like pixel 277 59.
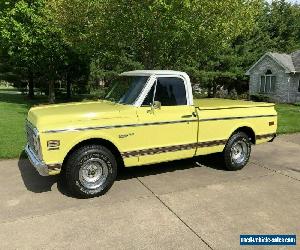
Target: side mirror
pixel 156 105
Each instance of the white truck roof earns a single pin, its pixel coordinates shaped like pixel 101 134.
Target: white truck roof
pixel 153 72
pixel 150 73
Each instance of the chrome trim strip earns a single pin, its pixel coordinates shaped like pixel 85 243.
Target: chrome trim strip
pixel 117 126
pixel 153 123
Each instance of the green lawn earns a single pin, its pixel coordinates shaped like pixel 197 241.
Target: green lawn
pixel 13 111
pixel 14 108
pixel 288 118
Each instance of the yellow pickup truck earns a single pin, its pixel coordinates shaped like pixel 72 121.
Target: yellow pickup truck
pixel 148 116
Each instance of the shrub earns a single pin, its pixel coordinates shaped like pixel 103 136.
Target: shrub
pixel 233 94
pixel 260 98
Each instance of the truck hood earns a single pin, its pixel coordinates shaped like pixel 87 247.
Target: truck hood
pixel 218 103
pixel 47 117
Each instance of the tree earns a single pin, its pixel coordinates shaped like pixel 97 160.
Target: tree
pixel 276 29
pixel 283 25
pixel 33 42
pixel 214 41
pixel 120 35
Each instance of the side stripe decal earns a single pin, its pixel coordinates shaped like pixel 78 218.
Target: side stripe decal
pixel 118 126
pixel 159 150
pixel 153 123
pixel 236 107
pixel 235 117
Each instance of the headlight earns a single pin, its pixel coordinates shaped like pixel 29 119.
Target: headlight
pixel 37 143
pixel 33 139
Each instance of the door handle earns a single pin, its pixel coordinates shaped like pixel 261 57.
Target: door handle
pixel 189 116
pixel 186 116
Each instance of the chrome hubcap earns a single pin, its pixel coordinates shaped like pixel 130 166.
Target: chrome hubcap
pixel 93 173
pixel 239 152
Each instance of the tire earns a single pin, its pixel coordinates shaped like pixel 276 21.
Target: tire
pixel 90 171
pixel 237 151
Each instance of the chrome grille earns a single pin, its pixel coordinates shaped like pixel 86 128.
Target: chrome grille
pixel 32 138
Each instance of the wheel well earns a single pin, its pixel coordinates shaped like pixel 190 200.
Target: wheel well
pixel 248 131
pixel 109 145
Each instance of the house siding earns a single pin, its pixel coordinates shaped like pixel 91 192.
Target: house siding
pixel 294 85
pixel 281 86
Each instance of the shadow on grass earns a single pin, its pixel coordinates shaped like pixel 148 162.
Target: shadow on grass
pixel 18 98
pixel 23 100
pixel 9 90
pixel 39 184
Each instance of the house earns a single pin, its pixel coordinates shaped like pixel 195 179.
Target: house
pixel 276 76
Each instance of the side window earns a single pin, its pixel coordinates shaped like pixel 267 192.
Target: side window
pixel 170 91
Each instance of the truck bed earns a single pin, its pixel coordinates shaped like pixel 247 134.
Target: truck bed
pixel 217 103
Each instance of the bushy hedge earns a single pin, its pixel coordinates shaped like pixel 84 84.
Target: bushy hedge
pixel 260 98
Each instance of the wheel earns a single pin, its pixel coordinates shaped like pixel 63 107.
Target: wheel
pixel 237 151
pixel 90 171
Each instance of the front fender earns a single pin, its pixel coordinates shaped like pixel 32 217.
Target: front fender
pixel 69 139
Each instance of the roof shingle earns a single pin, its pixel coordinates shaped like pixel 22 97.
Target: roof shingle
pixel 290 62
pixel 296 60
pixel 285 60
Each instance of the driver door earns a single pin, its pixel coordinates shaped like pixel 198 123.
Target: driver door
pixel 168 132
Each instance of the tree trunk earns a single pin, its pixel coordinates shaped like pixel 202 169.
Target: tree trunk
pixel 214 89
pixel 68 87
pixel 51 91
pixel 209 93
pixel 30 86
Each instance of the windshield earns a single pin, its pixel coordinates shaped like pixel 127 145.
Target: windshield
pixel 126 89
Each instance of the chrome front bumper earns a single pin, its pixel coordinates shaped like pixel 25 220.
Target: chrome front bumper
pixel 39 165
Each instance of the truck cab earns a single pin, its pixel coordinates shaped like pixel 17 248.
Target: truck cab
pixel 166 104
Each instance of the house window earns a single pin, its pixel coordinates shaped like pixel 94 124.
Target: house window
pixel 299 86
pixel 267 82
